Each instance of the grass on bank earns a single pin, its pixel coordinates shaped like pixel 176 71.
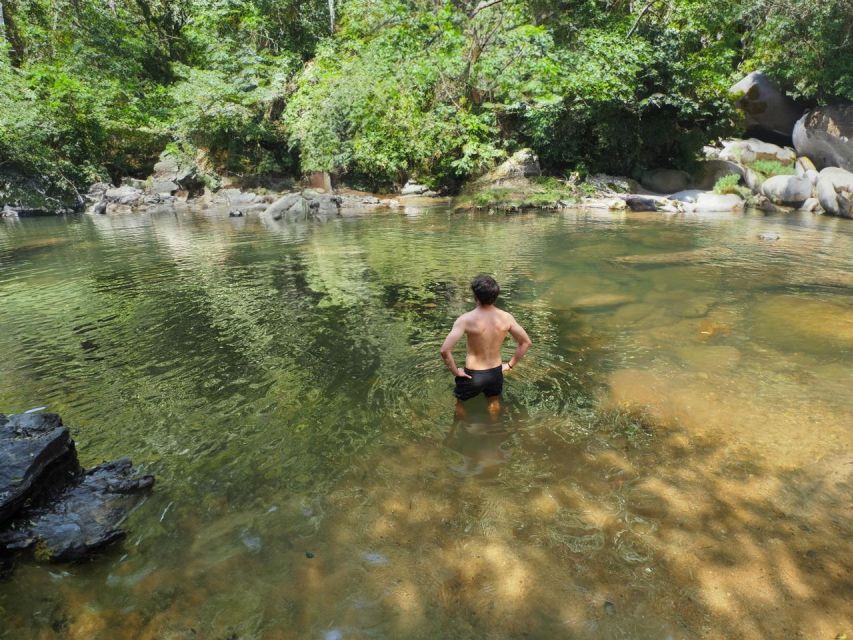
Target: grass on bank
pixel 539 192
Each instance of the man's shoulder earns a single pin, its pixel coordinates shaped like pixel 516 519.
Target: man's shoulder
pixel 506 315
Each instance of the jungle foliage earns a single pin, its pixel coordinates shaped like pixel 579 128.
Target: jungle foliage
pixel 436 89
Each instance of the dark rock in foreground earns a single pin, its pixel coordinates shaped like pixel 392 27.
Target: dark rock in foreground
pixel 83 518
pixel 31 445
pixel 48 502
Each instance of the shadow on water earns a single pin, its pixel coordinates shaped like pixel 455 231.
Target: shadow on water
pixel 617 529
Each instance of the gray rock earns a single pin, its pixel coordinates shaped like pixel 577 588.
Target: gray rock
pixel 769 235
pixel 665 180
pixel 689 196
pixel 811 205
pixel 124 195
pixel 295 207
pixel 752 149
pixel 97 190
pixel 834 188
pixel 714 202
pixel 788 190
pixel 803 166
pixel 825 135
pixel 30 444
pixel 85 517
pixel 522 164
pixel 765 106
pixel 48 502
pixel 165 187
pixel 171 172
pixel 605 183
pixel 713 169
pixel 414 189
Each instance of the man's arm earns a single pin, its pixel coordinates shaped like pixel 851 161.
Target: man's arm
pixel 521 339
pixel 450 341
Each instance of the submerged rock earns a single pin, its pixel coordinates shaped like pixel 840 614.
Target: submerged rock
pixel 48 502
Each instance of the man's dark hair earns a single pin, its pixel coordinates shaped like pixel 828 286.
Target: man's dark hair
pixel 486 289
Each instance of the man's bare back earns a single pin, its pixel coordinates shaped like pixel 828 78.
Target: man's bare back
pixel 486 328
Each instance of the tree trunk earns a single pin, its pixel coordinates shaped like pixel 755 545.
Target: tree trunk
pixel 332 15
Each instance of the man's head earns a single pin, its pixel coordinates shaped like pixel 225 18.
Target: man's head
pixel 485 289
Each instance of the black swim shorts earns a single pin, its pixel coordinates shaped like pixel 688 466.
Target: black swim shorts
pixel 488 381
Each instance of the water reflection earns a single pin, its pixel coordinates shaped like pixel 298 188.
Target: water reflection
pixel 480 437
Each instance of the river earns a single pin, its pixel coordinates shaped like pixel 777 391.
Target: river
pixel 673 459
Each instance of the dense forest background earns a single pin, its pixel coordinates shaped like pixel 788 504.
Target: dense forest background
pixel 381 90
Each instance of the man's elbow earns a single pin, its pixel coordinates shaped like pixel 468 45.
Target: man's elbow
pixel 528 343
pixel 443 352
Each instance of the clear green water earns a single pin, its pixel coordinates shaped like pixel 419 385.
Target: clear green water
pixel 686 404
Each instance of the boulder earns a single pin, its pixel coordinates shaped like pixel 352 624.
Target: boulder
pixel 805 169
pixel 124 194
pixel 834 189
pixel 30 445
pixel 710 202
pixel 414 189
pixel 85 517
pixel 689 196
pixel 769 112
pixel 750 150
pixel 811 205
pixel 295 207
pixel 825 135
pixel 713 169
pixel 665 180
pixel 788 190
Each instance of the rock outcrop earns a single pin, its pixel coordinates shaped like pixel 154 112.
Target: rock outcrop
pixel 770 114
pixel 825 135
pixel 48 503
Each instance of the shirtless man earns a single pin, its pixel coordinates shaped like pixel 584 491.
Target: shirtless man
pixel 486 328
